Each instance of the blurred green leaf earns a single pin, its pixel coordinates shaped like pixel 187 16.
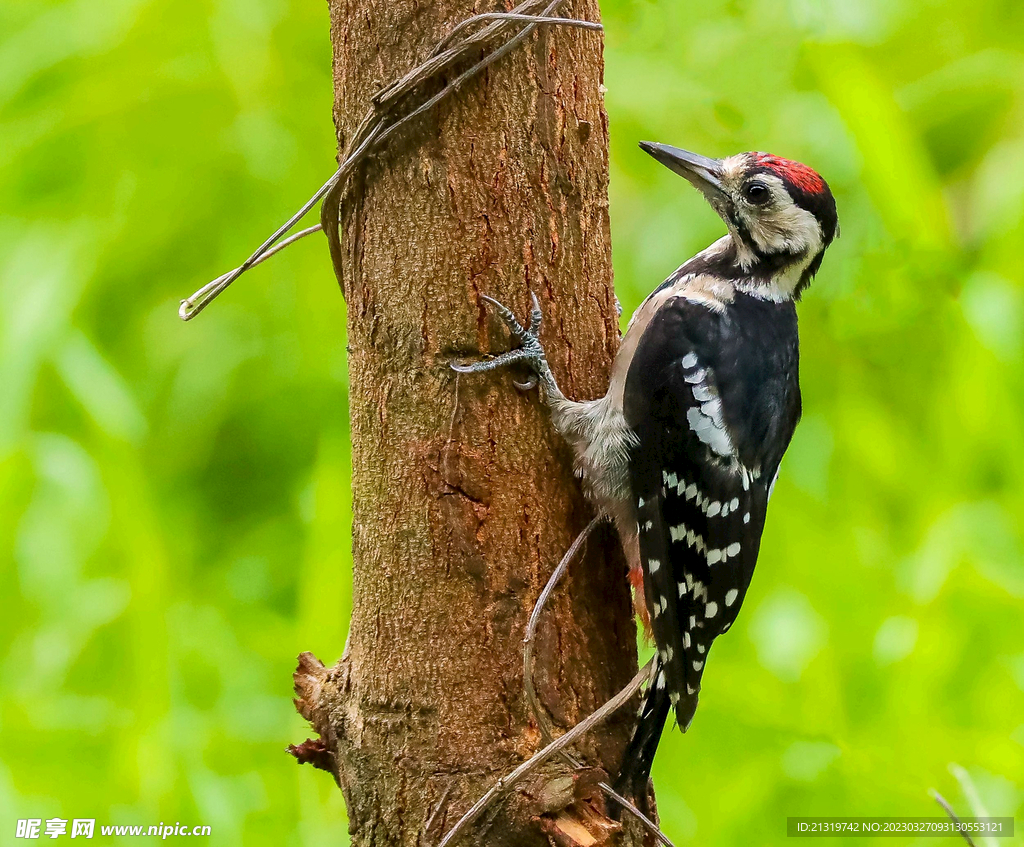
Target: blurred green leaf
pixel 787 633
pixel 99 388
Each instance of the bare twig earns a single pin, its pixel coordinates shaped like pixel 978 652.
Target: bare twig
pixel 442 804
pixel 528 7
pixel 192 306
pixel 384 119
pixel 543 724
pixel 329 211
pixel 537 19
pixel 442 57
pixel 507 782
pixel 938 798
pixel 650 825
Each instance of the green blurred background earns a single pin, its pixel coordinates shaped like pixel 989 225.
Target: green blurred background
pixel 172 494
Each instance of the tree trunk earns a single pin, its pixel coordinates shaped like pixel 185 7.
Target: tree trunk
pixel 464 497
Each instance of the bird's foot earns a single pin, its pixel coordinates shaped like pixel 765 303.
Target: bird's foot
pixel 530 352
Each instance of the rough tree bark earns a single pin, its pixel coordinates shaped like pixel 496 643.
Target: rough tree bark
pixel 464 498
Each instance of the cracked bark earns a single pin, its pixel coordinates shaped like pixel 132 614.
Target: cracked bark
pixel 464 498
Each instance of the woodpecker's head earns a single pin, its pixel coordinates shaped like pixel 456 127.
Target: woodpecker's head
pixel 781 214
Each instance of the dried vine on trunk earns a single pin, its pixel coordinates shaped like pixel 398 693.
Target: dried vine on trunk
pixel 464 498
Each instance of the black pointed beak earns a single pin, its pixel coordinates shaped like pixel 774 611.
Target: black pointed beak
pixel 702 172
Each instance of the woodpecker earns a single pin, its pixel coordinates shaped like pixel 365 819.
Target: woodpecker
pixel 684 449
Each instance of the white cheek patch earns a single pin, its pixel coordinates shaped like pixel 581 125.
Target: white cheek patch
pixel 788 229
pixel 784 228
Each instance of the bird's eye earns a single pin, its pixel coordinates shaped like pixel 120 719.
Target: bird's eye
pixel 757 193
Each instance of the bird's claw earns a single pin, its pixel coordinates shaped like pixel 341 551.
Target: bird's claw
pixel 528 385
pixel 528 336
pixel 530 352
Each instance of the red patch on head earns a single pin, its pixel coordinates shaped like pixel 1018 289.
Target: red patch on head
pixel 795 173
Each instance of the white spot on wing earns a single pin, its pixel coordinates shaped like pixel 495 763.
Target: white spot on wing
pixel 711 609
pixel 682 533
pixel 653 565
pixel 713 408
pixel 702 394
pixel 730 596
pixel 710 429
pixel 690 360
pixel 733 549
pixel 707 422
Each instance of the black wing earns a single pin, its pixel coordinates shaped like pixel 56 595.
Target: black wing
pixel 713 399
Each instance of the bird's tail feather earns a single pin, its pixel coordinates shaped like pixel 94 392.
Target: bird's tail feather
pixel 635 770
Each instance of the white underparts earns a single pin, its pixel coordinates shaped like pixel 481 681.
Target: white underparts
pixel 601 440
